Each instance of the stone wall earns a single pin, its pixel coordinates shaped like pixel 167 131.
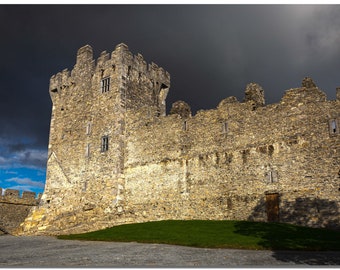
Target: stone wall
pixel 115 156
pixel 15 208
pixel 222 163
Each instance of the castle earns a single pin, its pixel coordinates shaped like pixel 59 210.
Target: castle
pixel 115 157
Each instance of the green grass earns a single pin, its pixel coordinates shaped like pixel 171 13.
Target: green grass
pixel 219 234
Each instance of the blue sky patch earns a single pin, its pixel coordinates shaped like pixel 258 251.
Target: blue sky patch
pixel 23 179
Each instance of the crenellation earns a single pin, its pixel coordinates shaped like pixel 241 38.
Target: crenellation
pixel 140 64
pixel 84 55
pixel 303 95
pixel 153 67
pixel 28 195
pixel 103 60
pixel 58 82
pixel 122 56
pixel 224 163
pixel 10 193
pixel 84 68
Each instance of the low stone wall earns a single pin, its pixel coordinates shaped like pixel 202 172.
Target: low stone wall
pixel 15 208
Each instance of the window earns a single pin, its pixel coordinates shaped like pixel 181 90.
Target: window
pixel 88 128
pixel 85 186
pixel 185 126
pixel 271 177
pixel 105 144
pixel 87 151
pixel 333 126
pixel 105 84
pixel 225 127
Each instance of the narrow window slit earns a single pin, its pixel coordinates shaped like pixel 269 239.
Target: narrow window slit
pixel 87 151
pixel 185 126
pixel 333 127
pixel 88 129
pixel 225 127
pixel 105 144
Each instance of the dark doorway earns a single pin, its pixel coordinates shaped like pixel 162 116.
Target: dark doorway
pixel 272 207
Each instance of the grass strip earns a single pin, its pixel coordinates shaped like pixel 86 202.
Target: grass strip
pixel 219 234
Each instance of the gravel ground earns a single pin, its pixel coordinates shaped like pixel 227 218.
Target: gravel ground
pixel 41 251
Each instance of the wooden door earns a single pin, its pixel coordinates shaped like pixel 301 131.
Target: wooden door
pixel 272 207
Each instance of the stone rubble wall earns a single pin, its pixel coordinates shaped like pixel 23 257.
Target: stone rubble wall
pixel 207 172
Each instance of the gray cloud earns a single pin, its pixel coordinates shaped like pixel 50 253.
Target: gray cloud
pixel 29 158
pixel 27 182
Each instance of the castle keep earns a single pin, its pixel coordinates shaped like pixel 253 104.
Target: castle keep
pixel 115 157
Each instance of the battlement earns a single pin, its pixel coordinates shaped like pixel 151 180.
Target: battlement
pixel 308 92
pixel 12 196
pixel 137 62
pixel 120 60
pixel 254 99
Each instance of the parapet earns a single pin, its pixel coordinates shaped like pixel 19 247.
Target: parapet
pixel 59 81
pixel 13 196
pixel 136 65
pixel 308 92
pixel 133 66
pixel 253 99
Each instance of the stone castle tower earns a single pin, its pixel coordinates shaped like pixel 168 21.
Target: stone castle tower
pixel 115 157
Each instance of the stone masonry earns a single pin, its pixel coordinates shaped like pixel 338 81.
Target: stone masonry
pixel 14 208
pixel 115 157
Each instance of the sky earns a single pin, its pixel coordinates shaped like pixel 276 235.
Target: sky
pixel 211 52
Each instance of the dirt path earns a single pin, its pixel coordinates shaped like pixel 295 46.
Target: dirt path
pixel 51 252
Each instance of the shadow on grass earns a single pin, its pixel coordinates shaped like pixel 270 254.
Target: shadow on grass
pixel 284 238
pixel 287 242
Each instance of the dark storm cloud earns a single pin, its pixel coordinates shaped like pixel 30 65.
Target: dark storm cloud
pixel 30 158
pixel 21 154
pixel 211 52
